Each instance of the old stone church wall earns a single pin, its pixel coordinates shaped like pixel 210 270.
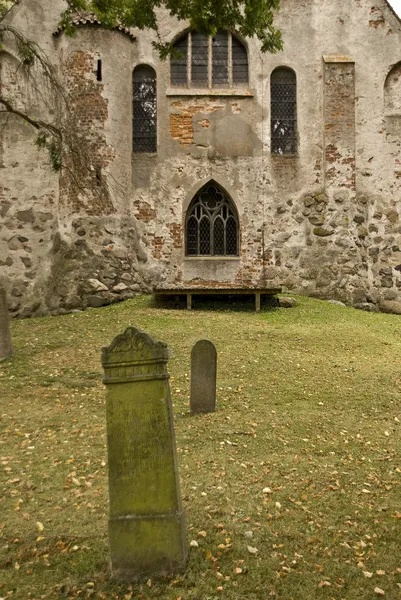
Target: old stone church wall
pixel 324 221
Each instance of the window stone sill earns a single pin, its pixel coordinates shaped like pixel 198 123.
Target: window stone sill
pixel 279 157
pixel 213 258
pixel 236 92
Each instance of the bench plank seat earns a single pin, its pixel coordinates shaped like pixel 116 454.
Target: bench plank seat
pixel 190 292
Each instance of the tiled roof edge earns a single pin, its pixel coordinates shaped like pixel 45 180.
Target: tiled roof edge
pixel 91 19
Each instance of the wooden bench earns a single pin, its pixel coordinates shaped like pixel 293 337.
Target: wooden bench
pixel 190 292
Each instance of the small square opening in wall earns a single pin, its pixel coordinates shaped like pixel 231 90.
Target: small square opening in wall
pixel 99 74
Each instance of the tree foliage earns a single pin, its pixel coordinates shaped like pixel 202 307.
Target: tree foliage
pixel 5 6
pixel 250 18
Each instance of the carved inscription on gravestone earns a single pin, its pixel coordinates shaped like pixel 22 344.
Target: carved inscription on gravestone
pixel 146 526
pixel 203 377
pixel 6 347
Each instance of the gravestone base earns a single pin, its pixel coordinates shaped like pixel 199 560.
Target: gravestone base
pixel 147 546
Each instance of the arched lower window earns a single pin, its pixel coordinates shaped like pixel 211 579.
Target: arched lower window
pixel 392 91
pixel 144 107
pixel 212 224
pixel 283 98
pixel 219 61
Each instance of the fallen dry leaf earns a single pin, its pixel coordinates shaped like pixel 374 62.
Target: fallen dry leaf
pixel 379 591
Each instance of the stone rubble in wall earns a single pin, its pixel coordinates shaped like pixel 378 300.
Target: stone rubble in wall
pixel 341 243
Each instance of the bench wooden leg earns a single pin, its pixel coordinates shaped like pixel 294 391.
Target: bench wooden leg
pixel 257 301
pixel 189 301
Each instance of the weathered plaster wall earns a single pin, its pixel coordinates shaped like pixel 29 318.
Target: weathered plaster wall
pixel 100 244
pixel 28 202
pixel 57 242
pixel 325 222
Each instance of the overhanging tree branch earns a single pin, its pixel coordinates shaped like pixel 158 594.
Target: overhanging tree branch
pixel 38 124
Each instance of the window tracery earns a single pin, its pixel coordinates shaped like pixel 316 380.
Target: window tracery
pixel 211 224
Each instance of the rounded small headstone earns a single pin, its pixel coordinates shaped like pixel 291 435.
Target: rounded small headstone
pixel 203 377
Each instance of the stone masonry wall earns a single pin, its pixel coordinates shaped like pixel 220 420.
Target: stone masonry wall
pixel 28 201
pixel 324 222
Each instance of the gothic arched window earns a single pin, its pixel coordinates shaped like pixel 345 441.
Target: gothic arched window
pixel 283 99
pixel 219 61
pixel 144 107
pixel 212 224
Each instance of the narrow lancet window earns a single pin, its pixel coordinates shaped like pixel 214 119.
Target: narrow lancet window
pixel 283 96
pixel 99 75
pixel 144 122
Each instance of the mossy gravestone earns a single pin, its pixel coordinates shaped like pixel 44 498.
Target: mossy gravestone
pixel 6 347
pixel 203 377
pixel 146 526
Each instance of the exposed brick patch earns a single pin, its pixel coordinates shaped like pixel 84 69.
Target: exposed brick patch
pixel 377 17
pixel 332 153
pixel 144 212
pixel 177 234
pixel 158 243
pixel 87 114
pixel 181 129
pixel 181 122
pixel 339 124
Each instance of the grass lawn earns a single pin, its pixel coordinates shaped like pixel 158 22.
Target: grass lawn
pixel 308 407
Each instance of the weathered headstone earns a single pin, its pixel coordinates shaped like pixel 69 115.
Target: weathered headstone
pixel 203 377
pixel 146 526
pixel 6 347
